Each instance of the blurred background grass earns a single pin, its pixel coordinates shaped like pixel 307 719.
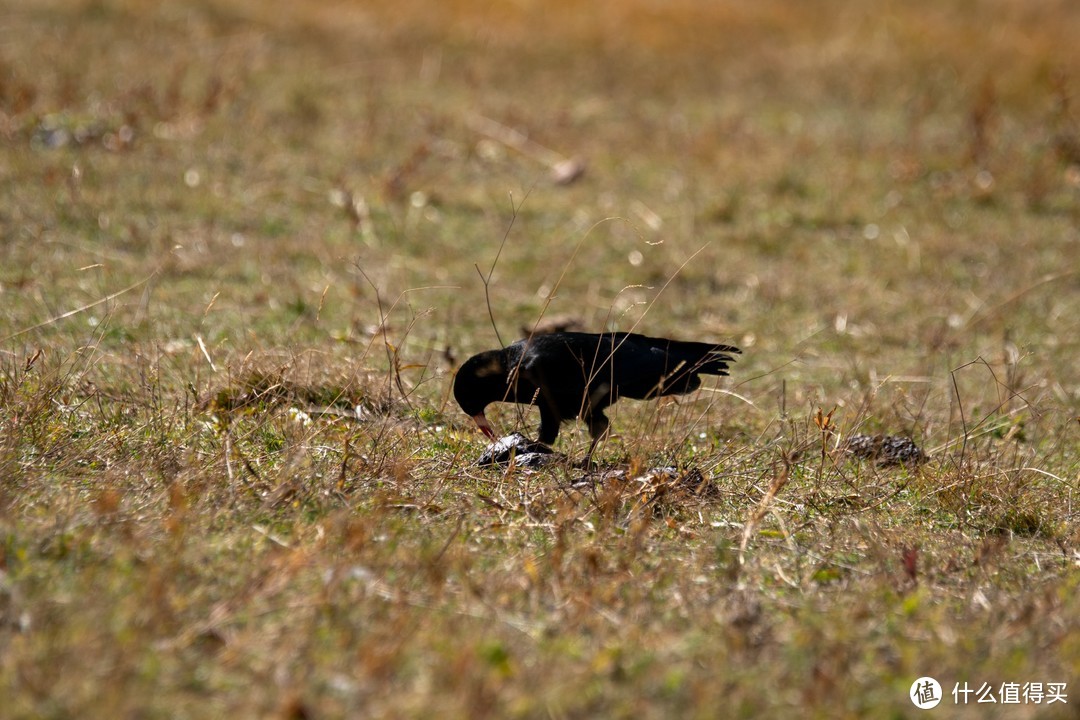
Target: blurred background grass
pixel 881 168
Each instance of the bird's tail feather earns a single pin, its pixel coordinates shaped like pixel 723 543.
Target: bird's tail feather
pixel 703 357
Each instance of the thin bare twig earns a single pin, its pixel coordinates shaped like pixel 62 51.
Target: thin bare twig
pixel 391 351
pixel 83 308
pixel 564 170
pixel 983 313
pixel 487 280
pixel 752 523
pixel 566 268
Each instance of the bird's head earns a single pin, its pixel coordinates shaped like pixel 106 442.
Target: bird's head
pixel 481 380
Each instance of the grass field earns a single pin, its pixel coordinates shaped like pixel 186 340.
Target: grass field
pixel 223 216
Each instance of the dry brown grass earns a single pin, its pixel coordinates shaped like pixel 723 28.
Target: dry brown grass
pixel 222 218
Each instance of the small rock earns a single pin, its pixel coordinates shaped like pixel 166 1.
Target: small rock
pixel 567 171
pixel 886 449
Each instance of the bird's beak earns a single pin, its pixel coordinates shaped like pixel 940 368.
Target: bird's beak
pixel 485 427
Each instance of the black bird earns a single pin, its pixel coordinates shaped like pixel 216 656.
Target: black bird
pixel 572 374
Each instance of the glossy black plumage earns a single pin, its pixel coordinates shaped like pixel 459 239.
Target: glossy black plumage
pixel 569 375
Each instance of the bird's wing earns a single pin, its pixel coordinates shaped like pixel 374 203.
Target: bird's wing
pixel 643 366
pixel 639 364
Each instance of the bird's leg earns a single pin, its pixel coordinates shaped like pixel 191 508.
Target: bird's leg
pixel 549 423
pixel 598 428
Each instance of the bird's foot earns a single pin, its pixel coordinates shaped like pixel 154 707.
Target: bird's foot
pixel 586 464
